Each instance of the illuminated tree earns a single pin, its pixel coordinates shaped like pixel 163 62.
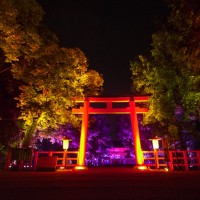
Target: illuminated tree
pixel 51 139
pixel 98 138
pixel 50 76
pixel 124 131
pixel 19 22
pixel 51 84
pixel 171 75
pixel 19 40
pixel 8 111
pixel 125 135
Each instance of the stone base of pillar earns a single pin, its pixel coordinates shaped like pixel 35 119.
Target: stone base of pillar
pixel 140 167
pixel 80 167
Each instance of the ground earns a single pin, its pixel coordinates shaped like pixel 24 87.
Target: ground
pixel 106 183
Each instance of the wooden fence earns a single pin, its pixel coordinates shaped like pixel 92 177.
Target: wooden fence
pixel 172 160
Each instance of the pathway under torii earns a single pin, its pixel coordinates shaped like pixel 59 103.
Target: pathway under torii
pixel 111 105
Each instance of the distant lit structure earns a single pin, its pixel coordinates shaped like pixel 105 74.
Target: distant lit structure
pixel 117 155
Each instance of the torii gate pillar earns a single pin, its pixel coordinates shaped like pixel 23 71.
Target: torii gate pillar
pixel 83 136
pixel 136 135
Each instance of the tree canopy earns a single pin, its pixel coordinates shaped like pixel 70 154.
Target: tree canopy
pixel 170 75
pixel 50 76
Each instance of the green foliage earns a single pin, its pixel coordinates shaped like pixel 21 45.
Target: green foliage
pixel 170 75
pixel 19 21
pixel 50 76
pixel 47 97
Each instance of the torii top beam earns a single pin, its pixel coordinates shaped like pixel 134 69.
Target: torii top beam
pixel 108 108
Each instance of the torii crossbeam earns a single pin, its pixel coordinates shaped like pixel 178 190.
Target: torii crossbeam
pixel 110 105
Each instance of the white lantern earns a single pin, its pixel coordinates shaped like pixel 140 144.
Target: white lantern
pixel 155 142
pixel 66 143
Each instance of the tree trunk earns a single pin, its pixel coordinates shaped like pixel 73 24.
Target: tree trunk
pixel 29 134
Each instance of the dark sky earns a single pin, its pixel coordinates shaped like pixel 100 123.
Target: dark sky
pixel 109 32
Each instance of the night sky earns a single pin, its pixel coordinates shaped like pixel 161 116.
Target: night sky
pixel 109 32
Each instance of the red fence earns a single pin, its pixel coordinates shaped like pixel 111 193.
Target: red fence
pixel 172 160
pixel 64 160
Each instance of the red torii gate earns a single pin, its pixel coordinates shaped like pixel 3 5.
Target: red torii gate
pixel 109 108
